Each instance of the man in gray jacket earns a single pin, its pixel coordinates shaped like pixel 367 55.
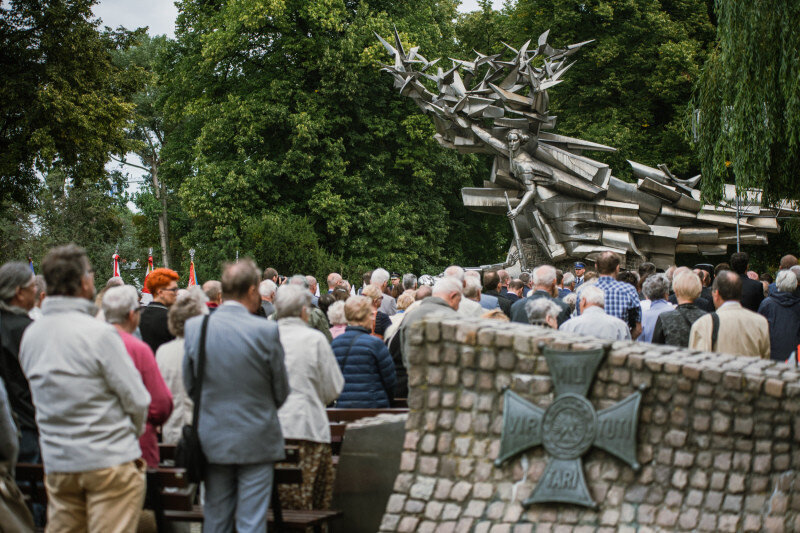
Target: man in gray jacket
pixel 245 383
pixel 91 404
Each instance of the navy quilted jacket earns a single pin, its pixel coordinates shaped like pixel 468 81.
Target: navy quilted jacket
pixel 368 369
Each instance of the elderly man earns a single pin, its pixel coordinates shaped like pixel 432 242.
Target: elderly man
pixel 544 285
pixel 91 404
pixel 656 290
pixel 121 310
pixel 470 302
pixel 732 329
pixel 334 280
pixel 213 290
pixel 542 312
pixel 380 279
pixel 245 383
pixel 312 287
pixel 316 318
pixel 515 290
pixel 673 327
pixel 409 282
pixel 621 299
pixel 266 289
pixel 444 301
pixel 315 381
pixel 17 298
pixel 593 320
pixel 782 310
pixel 567 285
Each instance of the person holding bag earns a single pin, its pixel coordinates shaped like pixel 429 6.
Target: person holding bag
pixel 367 366
pixel 237 394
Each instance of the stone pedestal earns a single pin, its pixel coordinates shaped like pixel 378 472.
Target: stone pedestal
pixel 718 438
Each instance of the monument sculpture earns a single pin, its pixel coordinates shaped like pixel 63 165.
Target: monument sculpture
pixel 559 201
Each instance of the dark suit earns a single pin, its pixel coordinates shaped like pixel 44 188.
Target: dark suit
pixel 752 293
pixel 518 313
pixel 245 383
pixel 505 304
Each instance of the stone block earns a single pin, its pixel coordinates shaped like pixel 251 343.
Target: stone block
pixel 408 524
pixel 389 522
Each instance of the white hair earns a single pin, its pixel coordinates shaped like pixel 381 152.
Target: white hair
pixel 540 309
pixel 336 313
pixel 593 296
pixel 472 274
pixel 447 286
pixel 454 271
pixel 267 287
pixel 656 287
pixel 290 301
pixel 118 302
pixel 569 279
pixel 544 276
pixel 379 276
pixel 786 281
pixel 472 287
pixel 312 281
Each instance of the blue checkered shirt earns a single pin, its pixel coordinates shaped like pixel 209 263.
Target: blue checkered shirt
pixel 622 300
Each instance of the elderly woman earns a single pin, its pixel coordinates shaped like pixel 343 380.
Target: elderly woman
pixel 336 318
pixel 121 309
pixel 169 358
pixel 542 312
pixel 656 290
pixel 673 327
pixel 315 381
pixel 782 311
pixel 380 320
pixel 369 373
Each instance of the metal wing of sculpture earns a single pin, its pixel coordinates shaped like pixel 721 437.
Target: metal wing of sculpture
pixel 561 202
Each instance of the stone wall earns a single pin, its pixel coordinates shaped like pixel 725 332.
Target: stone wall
pixel 718 438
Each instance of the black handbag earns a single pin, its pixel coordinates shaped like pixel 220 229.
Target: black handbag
pixel 189 454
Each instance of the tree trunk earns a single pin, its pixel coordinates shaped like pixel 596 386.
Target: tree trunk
pixel 163 224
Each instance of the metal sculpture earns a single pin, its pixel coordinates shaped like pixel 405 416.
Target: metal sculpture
pixel 568 428
pixel 561 202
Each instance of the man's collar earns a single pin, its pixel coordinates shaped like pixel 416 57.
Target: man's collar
pixel 733 304
pixel 65 304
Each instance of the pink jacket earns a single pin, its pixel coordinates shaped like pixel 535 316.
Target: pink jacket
pixel 160 396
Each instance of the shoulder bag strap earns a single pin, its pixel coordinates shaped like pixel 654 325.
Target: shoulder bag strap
pixel 714 329
pixel 201 368
pixel 347 354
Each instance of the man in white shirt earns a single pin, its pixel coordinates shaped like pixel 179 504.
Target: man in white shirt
pixel 593 320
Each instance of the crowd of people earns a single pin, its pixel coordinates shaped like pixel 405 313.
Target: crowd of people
pixel 94 380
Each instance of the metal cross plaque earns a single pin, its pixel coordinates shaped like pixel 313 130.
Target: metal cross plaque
pixel 569 427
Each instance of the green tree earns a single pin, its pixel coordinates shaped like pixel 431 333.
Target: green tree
pixel 284 124
pixel 62 102
pixel 749 100
pixel 147 129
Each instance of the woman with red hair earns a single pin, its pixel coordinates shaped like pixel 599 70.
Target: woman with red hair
pixel 163 285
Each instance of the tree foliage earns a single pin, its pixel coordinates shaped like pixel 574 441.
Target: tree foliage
pixel 749 100
pixel 284 124
pixel 63 104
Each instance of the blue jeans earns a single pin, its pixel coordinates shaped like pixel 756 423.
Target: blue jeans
pixel 237 494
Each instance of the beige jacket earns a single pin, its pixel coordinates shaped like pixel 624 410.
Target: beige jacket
pixel 741 332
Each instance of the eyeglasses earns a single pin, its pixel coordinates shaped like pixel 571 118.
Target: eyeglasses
pixel 173 289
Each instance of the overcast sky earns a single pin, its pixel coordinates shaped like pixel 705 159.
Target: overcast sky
pixel 159 15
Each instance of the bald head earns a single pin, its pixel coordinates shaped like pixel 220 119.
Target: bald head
pixel 240 283
pixel 213 290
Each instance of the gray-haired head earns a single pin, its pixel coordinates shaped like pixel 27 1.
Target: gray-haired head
pixel 540 309
pixel 267 288
pixel 472 288
pixel 299 280
pixel 118 302
pixel 568 280
pixel 237 278
pixel 41 285
pixel 336 313
pixel 186 306
pixel 379 277
pixel 290 300
pixel 786 281
pixel 454 271
pixel 446 285
pixel 656 287
pixel 13 276
pixel 544 276
pixel 796 270
pixel 409 282
pixel 312 283
pixel 592 295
